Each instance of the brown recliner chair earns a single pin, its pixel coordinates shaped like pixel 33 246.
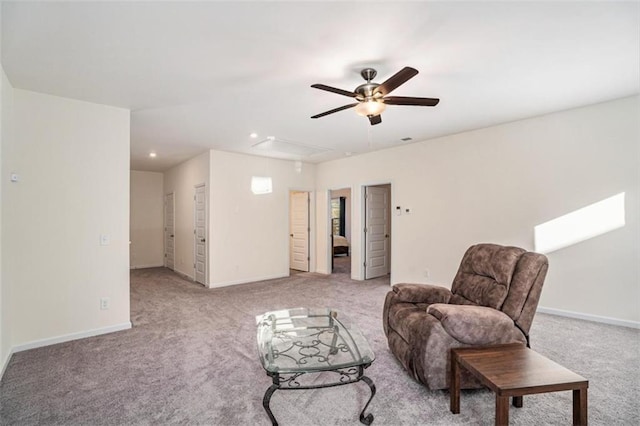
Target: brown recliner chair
pixel 492 300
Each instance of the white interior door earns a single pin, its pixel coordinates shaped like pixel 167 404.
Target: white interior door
pixel 376 231
pixel 169 236
pixel 200 234
pixel 299 231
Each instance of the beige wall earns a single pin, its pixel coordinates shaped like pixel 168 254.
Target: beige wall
pixel 250 233
pixel 73 162
pixel 496 184
pixel 181 181
pixel 146 219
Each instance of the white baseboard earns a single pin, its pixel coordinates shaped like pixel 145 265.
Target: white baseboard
pixel 154 265
pixel 248 280
pixel 589 317
pixel 5 363
pixel 68 337
pixel 60 339
pixel 184 275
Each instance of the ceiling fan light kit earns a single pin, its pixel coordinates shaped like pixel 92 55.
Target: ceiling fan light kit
pixel 372 97
pixel 370 107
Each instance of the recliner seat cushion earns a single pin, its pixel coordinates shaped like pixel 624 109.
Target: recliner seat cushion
pixel 472 325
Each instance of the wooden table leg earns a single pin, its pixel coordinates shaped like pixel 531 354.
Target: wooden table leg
pixel 580 407
pixel 517 401
pixel 454 385
pixel 502 410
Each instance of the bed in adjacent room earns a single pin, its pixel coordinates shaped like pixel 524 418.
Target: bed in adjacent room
pixel 340 245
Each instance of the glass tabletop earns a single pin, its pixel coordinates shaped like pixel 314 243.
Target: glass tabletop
pixel 308 340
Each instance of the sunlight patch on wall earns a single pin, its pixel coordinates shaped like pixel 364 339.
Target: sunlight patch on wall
pixel 580 225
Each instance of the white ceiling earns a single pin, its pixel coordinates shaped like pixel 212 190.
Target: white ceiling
pixel 205 75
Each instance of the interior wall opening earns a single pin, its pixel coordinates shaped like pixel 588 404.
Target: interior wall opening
pixel 340 226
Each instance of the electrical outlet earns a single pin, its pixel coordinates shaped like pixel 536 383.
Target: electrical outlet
pixel 104 303
pixel 104 240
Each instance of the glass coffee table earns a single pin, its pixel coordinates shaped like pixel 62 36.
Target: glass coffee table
pixel 297 345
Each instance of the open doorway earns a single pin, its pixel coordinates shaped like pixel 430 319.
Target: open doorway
pixel 341 231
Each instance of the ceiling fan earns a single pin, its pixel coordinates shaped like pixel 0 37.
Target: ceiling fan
pixel 372 97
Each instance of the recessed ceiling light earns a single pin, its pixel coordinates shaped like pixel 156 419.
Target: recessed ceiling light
pixel 152 154
pixel 348 154
pixel 253 135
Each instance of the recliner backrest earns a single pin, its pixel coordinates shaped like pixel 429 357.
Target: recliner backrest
pixel 524 293
pixel 485 275
pixel 506 278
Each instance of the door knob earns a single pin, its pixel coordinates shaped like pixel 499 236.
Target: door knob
pixel 386 235
pixel 202 240
pixel 291 235
pixel 171 235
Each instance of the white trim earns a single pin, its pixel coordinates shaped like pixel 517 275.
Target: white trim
pixel 589 317
pixel 184 275
pixel 154 265
pixel 73 336
pixel 5 363
pixel 248 280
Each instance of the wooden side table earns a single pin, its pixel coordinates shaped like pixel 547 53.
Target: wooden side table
pixel 514 370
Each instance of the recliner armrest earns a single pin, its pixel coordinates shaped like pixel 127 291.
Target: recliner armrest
pixel 473 325
pixel 421 293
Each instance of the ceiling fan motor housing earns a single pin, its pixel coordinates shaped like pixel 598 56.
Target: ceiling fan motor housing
pixel 367 90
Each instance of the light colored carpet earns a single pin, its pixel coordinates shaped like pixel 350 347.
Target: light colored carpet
pixel 191 358
pixel 342 265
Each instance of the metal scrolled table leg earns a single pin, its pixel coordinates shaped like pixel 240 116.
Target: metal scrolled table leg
pixel 368 419
pixel 265 403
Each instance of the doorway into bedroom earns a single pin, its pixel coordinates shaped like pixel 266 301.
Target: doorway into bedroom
pixel 341 231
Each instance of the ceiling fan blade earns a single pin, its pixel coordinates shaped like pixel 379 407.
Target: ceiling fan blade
pixel 334 90
pixel 322 114
pixel 403 100
pixel 375 119
pixel 397 80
